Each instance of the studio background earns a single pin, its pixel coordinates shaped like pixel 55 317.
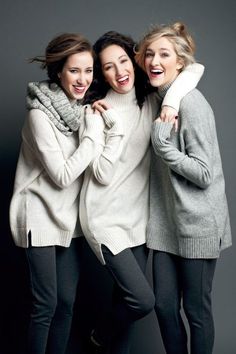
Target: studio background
pixel 26 28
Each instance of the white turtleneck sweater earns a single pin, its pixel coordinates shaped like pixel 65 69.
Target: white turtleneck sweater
pixel 114 200
pixel 116 214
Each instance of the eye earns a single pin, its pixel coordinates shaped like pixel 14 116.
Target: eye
pixel 148 55
pixel 107 67
pixel 124 60
pixel 89 71
pixel 73 71
pixel 165 55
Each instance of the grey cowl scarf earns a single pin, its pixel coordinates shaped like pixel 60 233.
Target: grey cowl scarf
pixel 51 99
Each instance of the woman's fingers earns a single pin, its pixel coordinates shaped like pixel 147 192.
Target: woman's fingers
pixel 101 105
pixel 168 114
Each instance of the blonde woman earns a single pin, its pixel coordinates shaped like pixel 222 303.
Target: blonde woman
pixel 189 220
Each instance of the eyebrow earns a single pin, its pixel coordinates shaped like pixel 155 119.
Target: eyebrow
pixel 77 68
pixel 120 57
pixel 151 50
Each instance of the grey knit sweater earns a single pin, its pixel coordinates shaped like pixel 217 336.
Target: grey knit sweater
pixel 188 207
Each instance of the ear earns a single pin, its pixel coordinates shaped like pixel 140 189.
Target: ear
pixel 180 65
pixel 59 75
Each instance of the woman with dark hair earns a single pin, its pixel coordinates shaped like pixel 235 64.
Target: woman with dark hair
pixel 114 215
pixel 60 139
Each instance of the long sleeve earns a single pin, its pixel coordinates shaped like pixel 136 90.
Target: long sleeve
pixel 104 165
pixel 194 162
pixel 186 81
pixel 63 171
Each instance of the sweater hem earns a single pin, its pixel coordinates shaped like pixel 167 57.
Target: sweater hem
pixel 190 247
pixel 116 240
pixel 42 238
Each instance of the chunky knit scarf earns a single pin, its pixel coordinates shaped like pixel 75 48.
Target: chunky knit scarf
pixel 52 100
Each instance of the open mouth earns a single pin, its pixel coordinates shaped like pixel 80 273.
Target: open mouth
pixel 156 72
pixel 79 89
pixel 123 80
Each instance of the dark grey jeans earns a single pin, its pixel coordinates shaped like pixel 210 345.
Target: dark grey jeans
pixel 54 274
pixel 177 278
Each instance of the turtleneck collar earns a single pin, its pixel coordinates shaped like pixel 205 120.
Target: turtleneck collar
pixel 163 89
pixel 122 99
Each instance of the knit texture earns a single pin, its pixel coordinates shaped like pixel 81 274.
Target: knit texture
pixel 186 81
pixel 188 207
pixel 116 214
pixel 52 100
pixel 48 178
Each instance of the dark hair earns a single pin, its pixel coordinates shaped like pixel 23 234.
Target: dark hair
pixel 58 50
pixel 99 87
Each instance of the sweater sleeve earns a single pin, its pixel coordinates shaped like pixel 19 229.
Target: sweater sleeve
pixel 186 81
pixel 195 161
pixel 104 165
pixel 63 171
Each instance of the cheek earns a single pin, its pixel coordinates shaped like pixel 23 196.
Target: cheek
pixel 90 79
pixel 146 64
pixel 107 78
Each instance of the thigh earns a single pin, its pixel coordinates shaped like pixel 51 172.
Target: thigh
pixel 141 255
pixel 68 269
pixel 197 278
pixel 42 267
pixel 128 275
pixel 166 277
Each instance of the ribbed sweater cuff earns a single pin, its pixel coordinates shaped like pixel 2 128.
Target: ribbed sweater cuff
pixel 161 132
pixel 94 127
pixel 113 121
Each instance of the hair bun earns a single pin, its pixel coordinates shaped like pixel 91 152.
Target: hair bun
pixel 179 28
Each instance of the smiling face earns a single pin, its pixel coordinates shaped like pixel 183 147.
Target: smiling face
pixel 77 75
pixel 117 68
pixel 161 62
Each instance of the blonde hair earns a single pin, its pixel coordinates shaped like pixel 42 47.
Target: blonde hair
pixel 177 34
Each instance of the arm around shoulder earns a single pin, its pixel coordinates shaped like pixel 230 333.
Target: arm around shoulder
pixel 186 81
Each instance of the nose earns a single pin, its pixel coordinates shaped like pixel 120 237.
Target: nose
pixel 118 70
pixel 81 79
pixel 155 60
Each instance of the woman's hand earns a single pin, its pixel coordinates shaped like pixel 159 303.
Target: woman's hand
pixel 91 110
pixel 169 114
pixel 101 106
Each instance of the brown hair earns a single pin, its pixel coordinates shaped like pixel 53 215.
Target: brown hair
pixel 177 34
pixel 58 50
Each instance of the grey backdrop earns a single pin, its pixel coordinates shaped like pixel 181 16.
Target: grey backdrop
pixel 26 27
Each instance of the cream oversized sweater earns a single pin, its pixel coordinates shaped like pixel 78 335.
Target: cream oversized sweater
pixel 48 178
pixel 114 203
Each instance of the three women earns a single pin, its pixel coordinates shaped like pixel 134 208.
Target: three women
pixel 114 201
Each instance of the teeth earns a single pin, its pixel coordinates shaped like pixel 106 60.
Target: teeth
pixel 156 71
pixel 80 88
pixel 123 78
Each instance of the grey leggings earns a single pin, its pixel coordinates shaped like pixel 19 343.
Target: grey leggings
pixel 177 278
pixel 133 297
pixel 54 274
